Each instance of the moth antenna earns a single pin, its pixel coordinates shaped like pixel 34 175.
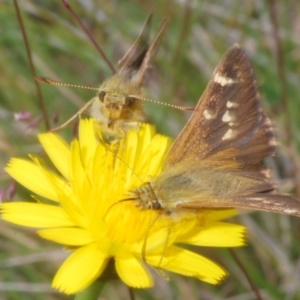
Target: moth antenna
pixel 55 82
pixel 117 202
pixel 165 247
pixel 158 271
pixel 184 108
pixel 126 165
pixel 80 111
pixel 31 65
pixel 244 271
pixel 88 33
pixel 146 236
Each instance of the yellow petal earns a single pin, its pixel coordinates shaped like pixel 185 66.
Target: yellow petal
pixel 133 272
pixel 30 175
pixel 78 171
pixel 218 234
pixel 155 243
pixel 145 136
pixel 58 151
pixel 156 149
pixel 88 141
pixel 67 236
pixel 34 215
pixel 187 263
pixel 126 164
pixel 58 183
pixel 73 210
pixel 216 215
pixel 80 269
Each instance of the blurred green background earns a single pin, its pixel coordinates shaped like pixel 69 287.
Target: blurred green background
pixel 198 34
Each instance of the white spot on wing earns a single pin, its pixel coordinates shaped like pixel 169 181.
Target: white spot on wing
pixel 266 173
pixel 290 211
pixel 272 142
pixel 230 133
pixel 208 115
pixel 267 202
pixel 228 117
pixel 231 104
pixel 222 80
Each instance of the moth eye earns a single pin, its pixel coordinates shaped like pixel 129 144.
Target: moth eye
pixel 156 205
pixel 130 101
pixel 101 95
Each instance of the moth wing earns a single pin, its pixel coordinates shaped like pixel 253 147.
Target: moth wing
pixel 205 186
pixel 145 65
pixel 228 124
pixel 283 204
pixel 135 55
pixel 216 158
pixel 136 61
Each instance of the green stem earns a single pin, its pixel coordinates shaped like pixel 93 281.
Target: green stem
pixel 91 292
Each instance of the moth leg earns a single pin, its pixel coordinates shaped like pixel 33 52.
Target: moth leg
pixel 78 114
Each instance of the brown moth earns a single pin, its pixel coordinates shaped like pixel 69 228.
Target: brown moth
pixel 215 162
pixel 117 107
pixel 118 104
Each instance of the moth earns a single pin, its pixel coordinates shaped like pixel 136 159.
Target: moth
pixel 215 162
pixel 118 104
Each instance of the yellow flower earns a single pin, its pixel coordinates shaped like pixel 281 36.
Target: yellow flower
pixel 79 206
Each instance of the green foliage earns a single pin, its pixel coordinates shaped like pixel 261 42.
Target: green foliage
pixel 198 34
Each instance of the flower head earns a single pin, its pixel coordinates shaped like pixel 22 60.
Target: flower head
pixel 79 206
